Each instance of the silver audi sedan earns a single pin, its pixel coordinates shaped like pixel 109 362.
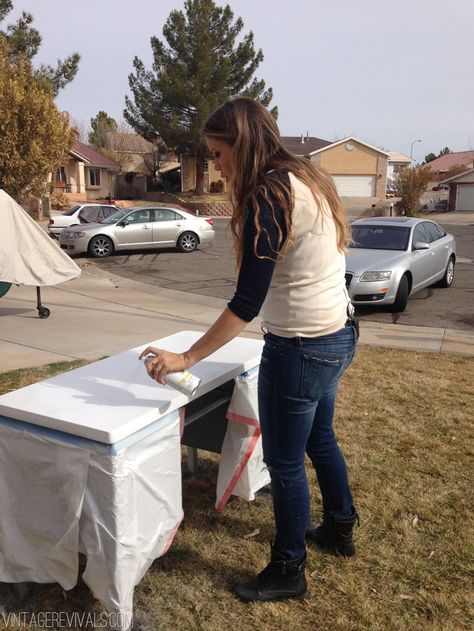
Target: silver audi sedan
pixel 391 258
pixel 139 228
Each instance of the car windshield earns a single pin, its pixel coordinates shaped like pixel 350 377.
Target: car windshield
pixel 71 211
pixel 116 216
pixel 380 237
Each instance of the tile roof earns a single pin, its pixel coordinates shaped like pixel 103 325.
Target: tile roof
pixel 295 145
pixel 129 142
pixel 396 156
pixel 92 157
pixel 450 160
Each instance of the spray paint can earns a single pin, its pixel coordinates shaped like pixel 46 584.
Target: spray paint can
pixel 184 381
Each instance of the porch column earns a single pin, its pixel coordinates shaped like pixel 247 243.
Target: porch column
pixel 80 178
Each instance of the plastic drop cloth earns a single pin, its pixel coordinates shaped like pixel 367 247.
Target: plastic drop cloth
pixel 120 505
pixel 242 471
pixel 28 256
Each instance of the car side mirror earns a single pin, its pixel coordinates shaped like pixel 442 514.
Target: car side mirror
pixel 421 245
pixel 123 223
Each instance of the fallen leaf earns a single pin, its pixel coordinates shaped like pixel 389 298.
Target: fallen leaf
pixel 414 521
pixel 405 597
pixel 431 554
pixel 252 534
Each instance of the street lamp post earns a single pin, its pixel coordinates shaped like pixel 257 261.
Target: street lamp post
pixel 411 148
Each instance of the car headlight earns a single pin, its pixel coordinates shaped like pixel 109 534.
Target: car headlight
pixel 374 276
pixel 74 235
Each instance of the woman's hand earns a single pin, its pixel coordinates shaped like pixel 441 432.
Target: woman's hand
pixel 161 362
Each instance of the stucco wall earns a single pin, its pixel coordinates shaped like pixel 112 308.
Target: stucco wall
pixel 340 161
pixel 106 185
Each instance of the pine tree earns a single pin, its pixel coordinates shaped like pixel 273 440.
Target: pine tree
pixel 24 42
pixel 101 126
pixel 202 65
pixel 34 134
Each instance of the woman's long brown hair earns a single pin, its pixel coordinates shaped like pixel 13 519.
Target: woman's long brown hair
pixel 259 159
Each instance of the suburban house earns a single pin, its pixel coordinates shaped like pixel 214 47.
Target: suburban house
pixel 87 174
pixel 145 166
pixel 461 190
pixel 449 161
pixel 358 169
pixel 188 174
pixel 396 162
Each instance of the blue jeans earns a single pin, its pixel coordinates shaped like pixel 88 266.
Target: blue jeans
pixel 297 387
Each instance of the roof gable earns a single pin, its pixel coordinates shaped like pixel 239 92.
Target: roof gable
pixel 87 154
pixel 349 138
pixel 469 175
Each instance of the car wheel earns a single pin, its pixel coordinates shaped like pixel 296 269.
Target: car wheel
pixel 401 298
pixel 188 242
pixel 100 247
pixel 448 277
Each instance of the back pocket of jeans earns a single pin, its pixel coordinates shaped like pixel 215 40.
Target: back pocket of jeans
pixel 319 375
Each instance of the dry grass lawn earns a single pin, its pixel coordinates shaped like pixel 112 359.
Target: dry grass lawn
pixel 404 420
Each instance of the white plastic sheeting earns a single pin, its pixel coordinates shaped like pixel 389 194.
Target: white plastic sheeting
pixel 242 471
pixel 28 256
pixel 119 505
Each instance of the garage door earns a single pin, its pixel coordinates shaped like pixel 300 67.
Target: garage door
pixel 465 198
pixel 355 185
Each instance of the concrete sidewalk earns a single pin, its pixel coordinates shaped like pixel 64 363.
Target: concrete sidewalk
pixel 101 314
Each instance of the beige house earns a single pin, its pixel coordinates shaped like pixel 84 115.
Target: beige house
pixel 87 174
pixel 188 174
pixel 461 191
pixel 358 169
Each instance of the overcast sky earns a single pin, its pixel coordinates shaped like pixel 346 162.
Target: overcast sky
pixel 386 72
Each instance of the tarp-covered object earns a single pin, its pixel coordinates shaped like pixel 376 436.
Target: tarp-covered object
pixel 28 256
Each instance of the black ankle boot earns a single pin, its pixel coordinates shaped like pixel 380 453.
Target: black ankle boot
pixel 335 535
pixel 279 580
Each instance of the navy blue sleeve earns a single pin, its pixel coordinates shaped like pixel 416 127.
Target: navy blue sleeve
pixel 256 273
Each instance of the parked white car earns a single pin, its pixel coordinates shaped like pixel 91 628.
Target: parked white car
pixel 79 215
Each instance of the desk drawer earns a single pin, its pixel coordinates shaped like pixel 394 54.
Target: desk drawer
pixel 205 423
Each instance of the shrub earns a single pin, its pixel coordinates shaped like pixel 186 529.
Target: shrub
pixel 410 184
pixel 59 201
pixel 217 187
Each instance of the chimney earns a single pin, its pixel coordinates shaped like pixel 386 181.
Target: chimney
pixel 302 139
pixel 307 135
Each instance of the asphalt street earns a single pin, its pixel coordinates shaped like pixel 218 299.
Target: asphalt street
pixel 211 272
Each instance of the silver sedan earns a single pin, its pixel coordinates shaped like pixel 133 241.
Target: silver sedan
pixel 391 258
pixel 139 228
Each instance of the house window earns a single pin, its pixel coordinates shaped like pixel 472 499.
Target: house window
pixel 60 175
pixel 205 167
pixel 94 177
pixel 399 167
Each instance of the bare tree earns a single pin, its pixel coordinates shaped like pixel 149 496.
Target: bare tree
pixel 410 184
pixel 157 158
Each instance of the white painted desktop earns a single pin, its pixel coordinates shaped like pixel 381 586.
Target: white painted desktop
pixel 82 452
pixel 112 399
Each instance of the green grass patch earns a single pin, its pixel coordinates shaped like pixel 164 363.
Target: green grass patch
pixel 404 421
